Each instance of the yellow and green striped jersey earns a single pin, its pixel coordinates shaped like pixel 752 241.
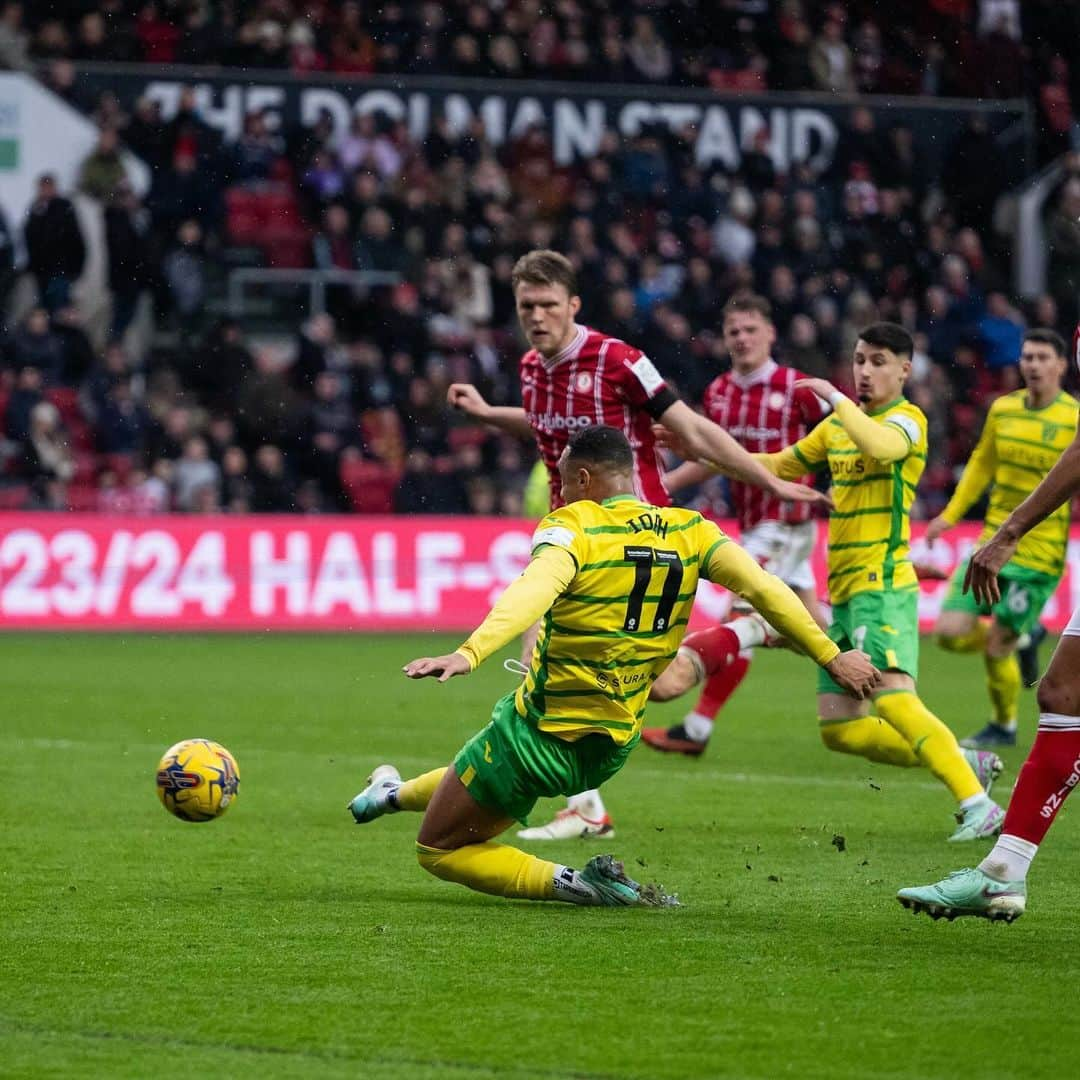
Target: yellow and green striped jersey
pixel 1017 448
pixel 870 528
pixel 619 623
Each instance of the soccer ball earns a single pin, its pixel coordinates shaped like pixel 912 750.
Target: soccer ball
pixel 197 780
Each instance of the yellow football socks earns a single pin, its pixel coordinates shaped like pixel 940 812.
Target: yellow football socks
pixel 974 641
pixel 492 868
pixel 869 737
pixel 1002 672
pixel 933 743
pixel 416 793
pixel 1003 682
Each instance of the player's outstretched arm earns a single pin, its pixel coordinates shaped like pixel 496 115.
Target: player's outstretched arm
pixel 731 566
pixel 467 399
pixel 974 480
pixel 688 474
pixel 1058 486
pixel 710 444
pixel 523 602
pixel 438 667
pixel 883 442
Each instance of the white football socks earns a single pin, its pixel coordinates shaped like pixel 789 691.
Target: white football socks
pixel 570 886
pixel 748 630
pixel 1009 859
pixel 588 804
pixel 698 726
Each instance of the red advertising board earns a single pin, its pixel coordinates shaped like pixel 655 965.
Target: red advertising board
pixel 75 571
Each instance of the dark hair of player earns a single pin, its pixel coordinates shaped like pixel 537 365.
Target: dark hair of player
pixel 888 335
pixel 601 445
pixel 745 303
pixel 1041 336
pixel 543 267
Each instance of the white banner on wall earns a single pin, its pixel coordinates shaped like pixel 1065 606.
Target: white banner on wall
pixel 41 133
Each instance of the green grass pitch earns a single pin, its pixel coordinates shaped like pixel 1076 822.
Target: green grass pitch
pixel 284 941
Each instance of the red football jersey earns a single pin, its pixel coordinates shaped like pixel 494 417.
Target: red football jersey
pixel 596 379
pixel 765 413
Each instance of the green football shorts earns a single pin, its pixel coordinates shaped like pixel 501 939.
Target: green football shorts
pixel 885 625
pixel 1024 594
pixel 510 764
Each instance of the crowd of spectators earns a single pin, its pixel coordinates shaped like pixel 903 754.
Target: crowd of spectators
pixel 351 413
pixel 984 48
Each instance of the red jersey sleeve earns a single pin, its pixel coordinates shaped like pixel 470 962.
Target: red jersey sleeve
pixel 640 384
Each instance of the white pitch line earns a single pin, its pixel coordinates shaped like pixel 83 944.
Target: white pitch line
pixel 695 770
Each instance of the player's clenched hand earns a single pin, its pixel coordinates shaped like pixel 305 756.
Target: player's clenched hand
pixel 789 491
pixel 981 578
pixel 822 387
pixel 466 398
pixel 440 667
pixel 854 672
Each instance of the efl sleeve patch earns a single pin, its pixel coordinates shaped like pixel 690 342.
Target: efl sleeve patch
pixel 908 425
pixel 645 372
pixel 556 535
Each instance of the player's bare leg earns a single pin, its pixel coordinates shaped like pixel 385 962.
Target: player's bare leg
pixel 455 843
pixel 902 731
pixel 997 887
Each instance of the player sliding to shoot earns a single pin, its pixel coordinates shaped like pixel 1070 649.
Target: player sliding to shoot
pixel 572 377
pixel 875 453
pixel 613 581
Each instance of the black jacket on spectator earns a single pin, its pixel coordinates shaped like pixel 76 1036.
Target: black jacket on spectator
pixel 17 415
pixel 128 249
pixel 7 261
pixel 54 241
pixel 122 422
pixel 271 493
pixel 78 353
pixel 42 351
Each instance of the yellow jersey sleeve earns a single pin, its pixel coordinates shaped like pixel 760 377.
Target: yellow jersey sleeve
pixel 562 528
pixel 910 421
pixel 809 454
pixel 729 565
pixel 888 441
pixel 978 472
pixel 522 603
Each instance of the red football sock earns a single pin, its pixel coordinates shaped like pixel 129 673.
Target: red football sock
pixel 718 646
pixel 721 685
pixel 1051 771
